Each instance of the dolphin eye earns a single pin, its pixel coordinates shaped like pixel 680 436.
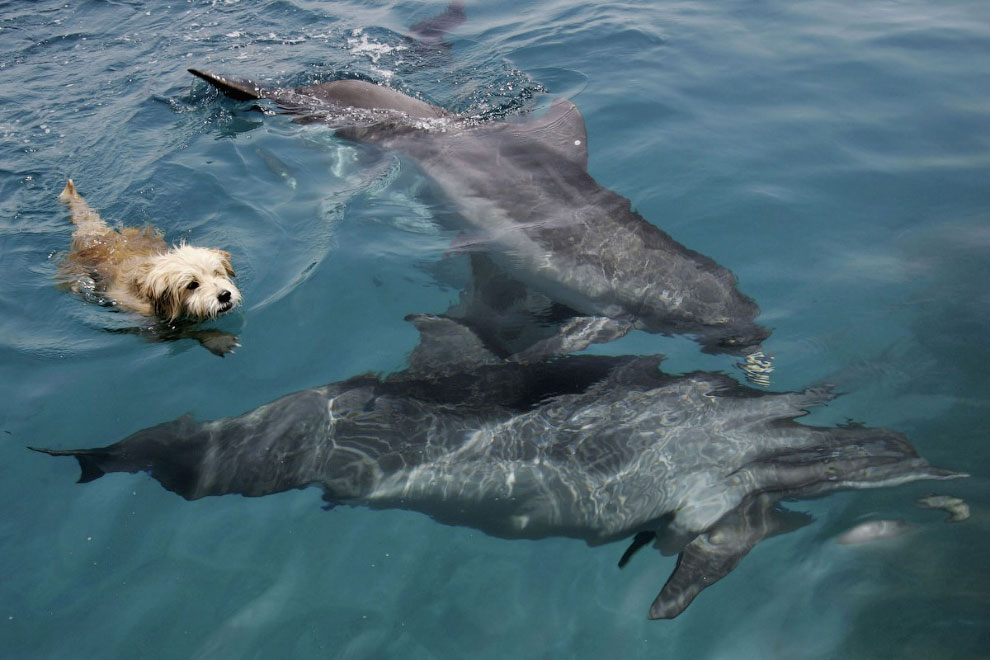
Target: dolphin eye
pixel 192 285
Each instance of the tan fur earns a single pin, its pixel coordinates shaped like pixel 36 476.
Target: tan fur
pixel 138 270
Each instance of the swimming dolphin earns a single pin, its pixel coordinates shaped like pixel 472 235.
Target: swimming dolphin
pixel 430 32
pixel 591 447
pixel 525 198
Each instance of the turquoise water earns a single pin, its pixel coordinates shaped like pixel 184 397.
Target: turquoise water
pixel 834 155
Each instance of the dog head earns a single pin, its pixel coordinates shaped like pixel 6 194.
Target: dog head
pixel 190 282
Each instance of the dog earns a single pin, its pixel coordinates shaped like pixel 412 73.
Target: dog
pixel 135 269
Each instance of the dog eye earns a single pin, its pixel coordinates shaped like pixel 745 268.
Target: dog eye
pixel 192 285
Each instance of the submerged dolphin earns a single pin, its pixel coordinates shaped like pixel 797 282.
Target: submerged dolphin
pixel 591 447
pixel 525 198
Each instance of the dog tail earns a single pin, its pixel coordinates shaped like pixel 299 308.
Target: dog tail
pixel 89 460
pixel 68 193
pixel 81 212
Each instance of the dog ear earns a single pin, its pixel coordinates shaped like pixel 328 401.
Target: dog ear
pixel 225 260
pixel 161 294
pixel 141 284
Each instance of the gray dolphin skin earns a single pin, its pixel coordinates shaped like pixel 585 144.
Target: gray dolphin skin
pixel 431 31
pixel 591 447
pixel 525 199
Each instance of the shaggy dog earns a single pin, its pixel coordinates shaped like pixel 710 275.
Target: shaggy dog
pixel 135 269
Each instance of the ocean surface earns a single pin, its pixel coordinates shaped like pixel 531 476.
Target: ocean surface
pixel 835 155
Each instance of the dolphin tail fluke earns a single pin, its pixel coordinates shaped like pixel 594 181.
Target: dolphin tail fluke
pixel 89 461
pixel 239 89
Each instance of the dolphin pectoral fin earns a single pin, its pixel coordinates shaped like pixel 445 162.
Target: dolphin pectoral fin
pixel 714 553
pixel 641 539
pixel 690 576
pixel 89 461
pixel 239 89
pixel 562 129
pixel 785 521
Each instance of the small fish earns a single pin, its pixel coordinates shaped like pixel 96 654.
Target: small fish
pixel 874 530
pixel 958 509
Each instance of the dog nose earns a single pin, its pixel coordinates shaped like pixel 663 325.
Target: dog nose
pixel 224 296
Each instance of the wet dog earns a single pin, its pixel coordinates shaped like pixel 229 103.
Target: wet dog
pixel 135 269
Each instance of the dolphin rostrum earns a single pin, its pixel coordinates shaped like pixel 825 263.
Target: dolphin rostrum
pixel 591 447
pixel 525 198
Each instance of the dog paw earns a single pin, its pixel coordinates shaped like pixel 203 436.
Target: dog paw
pixel 216 342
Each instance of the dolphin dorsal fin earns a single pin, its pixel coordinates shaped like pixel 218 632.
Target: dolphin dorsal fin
pixel 562 129
pixel 446 347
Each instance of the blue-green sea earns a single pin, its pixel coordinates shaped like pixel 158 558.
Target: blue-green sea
pixel 835 155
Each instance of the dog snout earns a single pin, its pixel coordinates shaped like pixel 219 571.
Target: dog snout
pixel 224 296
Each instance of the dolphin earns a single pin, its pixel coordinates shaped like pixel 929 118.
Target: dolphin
pixel 597 448
pixel 430 32
pixel 524 198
